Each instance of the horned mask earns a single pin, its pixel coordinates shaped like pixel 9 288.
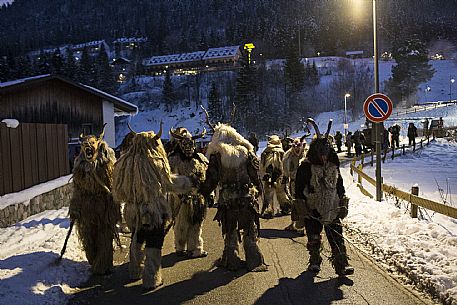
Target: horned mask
pixel 320 147
pixel 90 145
pixel 186 141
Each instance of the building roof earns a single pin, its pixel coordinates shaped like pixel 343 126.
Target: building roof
pixel 130 40
pixel 119 104
pixel 223 52
pixel 174 58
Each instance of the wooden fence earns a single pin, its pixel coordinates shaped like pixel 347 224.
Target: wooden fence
pixel 414 200
pixel 31 154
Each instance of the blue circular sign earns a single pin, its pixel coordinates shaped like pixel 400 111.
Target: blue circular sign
pixel 377 107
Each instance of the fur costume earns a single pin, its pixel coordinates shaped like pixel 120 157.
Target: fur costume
pixel 272 172
pixel 291 161
pixel 320 201
pixel 233 167
pixel 92 206
pixel 142 178
pixel 189 209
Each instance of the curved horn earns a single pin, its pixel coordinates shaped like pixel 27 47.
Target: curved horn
pixel 176 135
pixel 130 127
pixel 159 134
pixel 316 129
pixel 329 126
pixel 200 135
pixel 207 118
pixel 232 114
pixel 102 134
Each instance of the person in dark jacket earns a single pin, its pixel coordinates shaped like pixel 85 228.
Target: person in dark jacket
pixel 254 141
pixel 395 132
pixel 349 143
pixel 338 140
pixel 412 134
pixel 321 203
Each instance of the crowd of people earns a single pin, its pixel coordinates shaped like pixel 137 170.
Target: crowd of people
pixel 162 188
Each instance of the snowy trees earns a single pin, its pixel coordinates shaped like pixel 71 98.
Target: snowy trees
pixel 168 94
pixel 412 69
pixel 246 98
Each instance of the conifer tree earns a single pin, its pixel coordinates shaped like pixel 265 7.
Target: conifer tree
pixel 168 94
pixel 412 69
pixel 294 71
pixel 215 104
pixel 104 75
pixel 70 68
pixel 86 71
pixel 57 62
pixel 246 98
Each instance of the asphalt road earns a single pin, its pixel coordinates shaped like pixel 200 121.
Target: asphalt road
pixel 198 281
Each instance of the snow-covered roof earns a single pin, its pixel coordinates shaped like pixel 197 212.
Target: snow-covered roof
pixel 130 40
pixel 173 58
pixel 87 44
pixel 119 104
pixel 222 52
pixel 22 80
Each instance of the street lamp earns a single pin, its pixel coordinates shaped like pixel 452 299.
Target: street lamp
pixel 427 90
pixel 345 126
pixel 452 80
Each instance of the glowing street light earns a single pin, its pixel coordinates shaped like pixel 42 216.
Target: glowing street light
pixel 452 80
pixel 427 90
pixel 346 125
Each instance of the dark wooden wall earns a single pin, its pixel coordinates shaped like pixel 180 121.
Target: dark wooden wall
pixel 53 101
pixel 31 154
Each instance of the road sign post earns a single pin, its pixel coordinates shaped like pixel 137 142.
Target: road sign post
pixel 377 108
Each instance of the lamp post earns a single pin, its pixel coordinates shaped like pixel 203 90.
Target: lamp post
pixel 427 90
pixel 451 81
pixel 345 126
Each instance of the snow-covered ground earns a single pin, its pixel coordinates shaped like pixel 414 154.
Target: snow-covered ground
pixel 425 250
pixel 28 252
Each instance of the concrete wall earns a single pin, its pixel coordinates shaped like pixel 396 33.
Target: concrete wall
pixel 52 200
pixel 108 118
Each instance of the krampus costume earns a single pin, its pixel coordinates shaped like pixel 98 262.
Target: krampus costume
pixel 291 161
pixel 273 180
pixel 321 202
pixel 92 207
pixel 142 178
pixel 233 166
pixel 189 209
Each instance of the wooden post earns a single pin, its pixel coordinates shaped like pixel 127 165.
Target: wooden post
pixel 414 145
pixel 393 151
pixel 360 168
pixel 371 152
pixel 414 191
pixel 421 142
pixel 404 151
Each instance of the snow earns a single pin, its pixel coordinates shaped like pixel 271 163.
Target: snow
pixel 28 273
pixel 11 123
pixel 27 194
pixel 426 250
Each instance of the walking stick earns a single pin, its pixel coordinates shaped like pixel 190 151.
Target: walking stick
pixel 66 241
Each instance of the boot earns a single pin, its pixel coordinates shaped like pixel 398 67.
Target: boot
pixel 136 259
pixel 254 258
pixel 341 265
pixel 315 260
pixel 152 276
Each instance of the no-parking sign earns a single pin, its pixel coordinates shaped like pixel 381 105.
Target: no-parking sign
pixel 377 107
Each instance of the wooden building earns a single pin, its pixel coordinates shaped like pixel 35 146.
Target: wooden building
pixel 55 100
